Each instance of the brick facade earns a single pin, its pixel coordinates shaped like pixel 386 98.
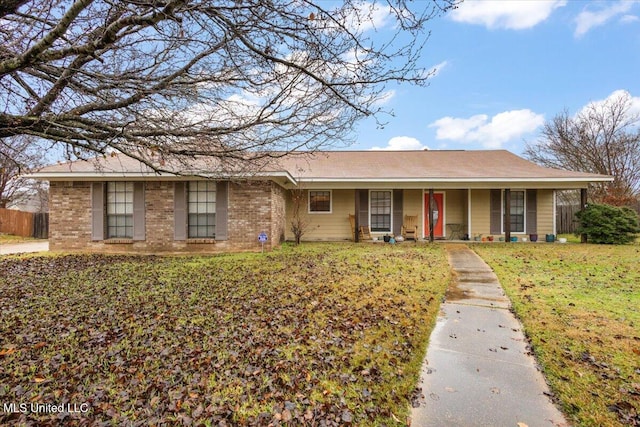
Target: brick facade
pixel 69 215
pixel 253 207
pixel 278 213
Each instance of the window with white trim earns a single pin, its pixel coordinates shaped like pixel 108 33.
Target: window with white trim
pixel 319 201
pixel 201 209
pixel 380 210
pixel 517 212
pixel 120 210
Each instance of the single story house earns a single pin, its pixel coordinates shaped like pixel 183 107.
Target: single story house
pixel 119 204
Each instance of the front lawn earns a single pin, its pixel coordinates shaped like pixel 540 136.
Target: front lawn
pixel 580 305
pixel 312 335
pixel 10 239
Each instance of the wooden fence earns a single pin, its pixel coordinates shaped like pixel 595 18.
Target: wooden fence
pixel 24 224
pixel 41 225
pixel 566 222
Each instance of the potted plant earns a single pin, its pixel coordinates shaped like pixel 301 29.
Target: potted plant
pixel 533 237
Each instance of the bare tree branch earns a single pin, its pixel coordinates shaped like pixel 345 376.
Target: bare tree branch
pixel 16 159
pixel 179 79
pixel 603 138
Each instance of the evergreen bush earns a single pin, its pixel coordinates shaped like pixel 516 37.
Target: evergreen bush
pixel 608 224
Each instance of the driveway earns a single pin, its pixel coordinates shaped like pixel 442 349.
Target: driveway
pixel 17 248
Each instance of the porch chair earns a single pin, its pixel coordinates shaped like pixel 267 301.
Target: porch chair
pixel 410 227
pixel 364 232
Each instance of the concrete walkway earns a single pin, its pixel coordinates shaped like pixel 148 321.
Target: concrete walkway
pixel 16 248
pixel 478 370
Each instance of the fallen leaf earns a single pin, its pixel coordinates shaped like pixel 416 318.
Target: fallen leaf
pixel 7 352
pixel 522 425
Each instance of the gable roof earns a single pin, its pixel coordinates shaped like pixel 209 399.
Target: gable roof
pixel 344 169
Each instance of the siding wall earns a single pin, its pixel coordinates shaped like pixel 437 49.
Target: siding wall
pixel 325 226
pixel 545 212
pixel 480 212
pixel 412 205
pixel 456 209
pixel 480 215
pixel 335 226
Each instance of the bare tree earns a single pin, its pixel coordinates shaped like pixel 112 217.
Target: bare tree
pixel 602 138
pixel 18 155
pixel 299 221
pixel 182 79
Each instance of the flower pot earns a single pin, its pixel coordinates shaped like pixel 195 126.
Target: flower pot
pixel 386 239
pixel 533 237
pixel 550 238
pixel 514 239
pixel 490 238
pixel 501 239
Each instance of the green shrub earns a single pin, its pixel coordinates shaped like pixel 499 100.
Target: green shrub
pixel 608 224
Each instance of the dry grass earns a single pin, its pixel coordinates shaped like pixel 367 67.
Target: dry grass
pixel 10 238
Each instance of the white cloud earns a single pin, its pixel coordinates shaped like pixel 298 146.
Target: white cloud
pixel 587 19
pixel 398 143
pixel 511 15
pixel 385 97
pixel 367 16
pixel 627 19
pixel 502 127
pixel 436 69
pixel 456 129
pixel 634 103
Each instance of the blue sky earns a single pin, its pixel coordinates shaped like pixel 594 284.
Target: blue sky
pixel 506 67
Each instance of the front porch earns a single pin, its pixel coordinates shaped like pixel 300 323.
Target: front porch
pixel 457 213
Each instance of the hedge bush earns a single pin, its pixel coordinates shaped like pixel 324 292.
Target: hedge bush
pixel 608 224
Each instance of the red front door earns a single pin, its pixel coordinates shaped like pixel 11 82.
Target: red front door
pixel 438 214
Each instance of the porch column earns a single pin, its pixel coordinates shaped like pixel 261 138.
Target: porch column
pixel 431 203
pixel 583 204
pixel 356 233
pixel 469 213
pixel 507 215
